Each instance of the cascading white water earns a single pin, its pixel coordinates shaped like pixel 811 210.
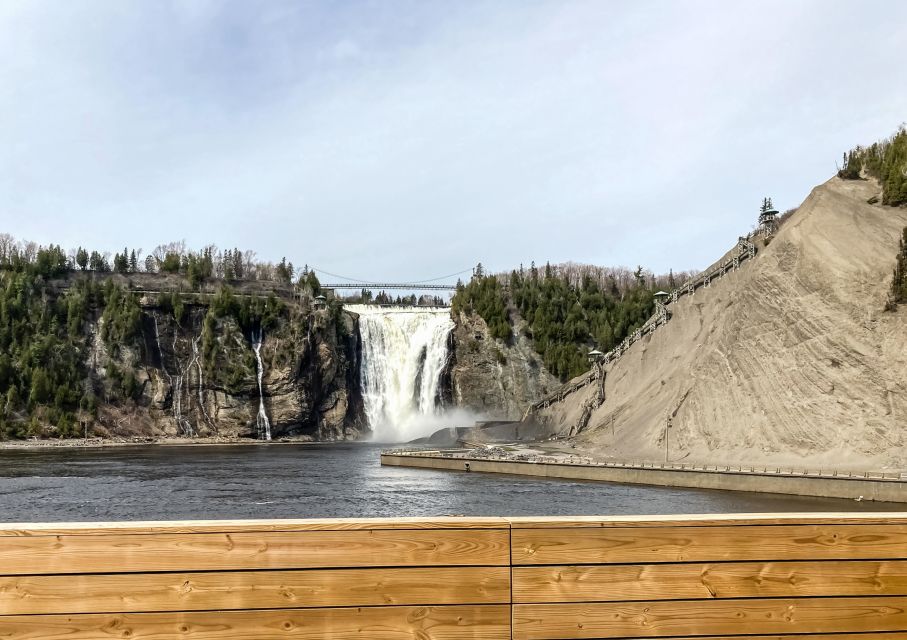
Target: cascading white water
pixel 264 425
pixel 404 352
pixel 201 380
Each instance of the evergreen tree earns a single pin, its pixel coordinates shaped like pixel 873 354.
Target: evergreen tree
pixel 284 271
pixel 121 262
pixel 97 262
pixel 564 320
pixel 898 293
pixel 238 266
pixel 886 161
pixel 82 258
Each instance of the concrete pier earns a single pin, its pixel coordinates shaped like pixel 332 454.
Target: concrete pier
pixel 878 487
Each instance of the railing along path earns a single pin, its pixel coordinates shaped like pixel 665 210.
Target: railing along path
pixel 493 453
pixel 746 250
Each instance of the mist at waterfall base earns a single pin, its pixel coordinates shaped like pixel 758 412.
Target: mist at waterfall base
pixel 404 353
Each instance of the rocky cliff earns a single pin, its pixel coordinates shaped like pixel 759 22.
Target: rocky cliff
pixel 141 355
pixel 198 376
pixel 494 380
pixel 790 360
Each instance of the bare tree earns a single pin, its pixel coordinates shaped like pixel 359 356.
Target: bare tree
pixel 8 247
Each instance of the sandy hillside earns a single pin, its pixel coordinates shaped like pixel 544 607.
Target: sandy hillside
pixel 790 360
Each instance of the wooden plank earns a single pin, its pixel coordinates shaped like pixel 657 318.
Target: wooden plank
pixel 237 551
pixel 704 520
pixel 615 583
pixel 358 524
pixel 138 592
pixel 479 622
pixel 708 617
pixel 706 544
pixel 897 635
pixel 230 526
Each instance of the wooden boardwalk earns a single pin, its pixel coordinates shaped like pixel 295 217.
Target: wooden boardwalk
pixel 827 576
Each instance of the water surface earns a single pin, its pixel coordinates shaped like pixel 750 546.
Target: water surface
pixel 330 480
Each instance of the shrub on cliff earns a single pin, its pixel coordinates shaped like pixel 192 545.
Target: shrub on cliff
pixel 885 161
pixel 41 366
pixel 564 319
pixel 898 293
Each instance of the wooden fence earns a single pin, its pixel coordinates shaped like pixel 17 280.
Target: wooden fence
pixel 809 577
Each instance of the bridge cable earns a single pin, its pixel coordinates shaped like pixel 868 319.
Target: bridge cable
pixel 360 281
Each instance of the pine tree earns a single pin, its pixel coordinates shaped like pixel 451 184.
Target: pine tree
pixel 898 293
pixel 238 266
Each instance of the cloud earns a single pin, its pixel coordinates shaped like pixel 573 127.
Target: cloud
pixel 413 139
pixel 344 49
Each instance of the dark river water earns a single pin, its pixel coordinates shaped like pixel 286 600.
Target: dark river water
pixel 332 480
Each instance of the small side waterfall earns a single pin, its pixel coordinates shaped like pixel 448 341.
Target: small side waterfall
pixel 196 358
pixel 181 422
pixel 404 352
pixel 264 425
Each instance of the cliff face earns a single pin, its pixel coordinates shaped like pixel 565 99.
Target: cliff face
pixel 790 360
pixel 492 379
pixel 139 356
pixel 195 380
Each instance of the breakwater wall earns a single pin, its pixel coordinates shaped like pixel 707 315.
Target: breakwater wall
pixel 879 487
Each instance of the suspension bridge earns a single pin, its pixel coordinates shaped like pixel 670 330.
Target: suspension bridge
pixel 372 286
pixel 432 284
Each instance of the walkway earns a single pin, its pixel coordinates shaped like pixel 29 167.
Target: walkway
pixel 746 250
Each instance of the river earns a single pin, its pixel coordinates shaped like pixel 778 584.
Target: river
pixel 327 480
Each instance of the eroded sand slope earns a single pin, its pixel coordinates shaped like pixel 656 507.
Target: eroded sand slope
pixel 790 360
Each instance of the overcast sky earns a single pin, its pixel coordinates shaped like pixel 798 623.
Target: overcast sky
pixel 406 140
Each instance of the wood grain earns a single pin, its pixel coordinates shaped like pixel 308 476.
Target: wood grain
pixel 137 592
pixel 897 635
pixel 480 622
pixel 358 524
pixel 615 583
pixel 708 617
pixel 238 551
pixel 704 520
pixel 706 544
pixel 237 526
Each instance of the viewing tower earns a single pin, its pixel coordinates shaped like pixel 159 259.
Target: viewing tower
pixel 767 213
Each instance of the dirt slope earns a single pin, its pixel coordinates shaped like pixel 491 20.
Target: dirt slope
pixel 789 361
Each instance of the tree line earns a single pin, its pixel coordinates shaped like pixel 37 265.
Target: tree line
pixel 566 309
pixel 209 264
pixel 886 161
pixel 367 296
pixel 45 341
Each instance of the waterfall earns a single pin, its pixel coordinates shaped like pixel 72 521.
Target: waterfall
pixel 201 381
pixel 160 352
pixel 264 425
pixel 181 422
pixel 404 352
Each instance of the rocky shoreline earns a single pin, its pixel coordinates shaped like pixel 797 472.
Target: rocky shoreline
pixel 99 443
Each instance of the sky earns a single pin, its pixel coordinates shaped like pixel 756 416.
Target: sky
pixel 404 140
